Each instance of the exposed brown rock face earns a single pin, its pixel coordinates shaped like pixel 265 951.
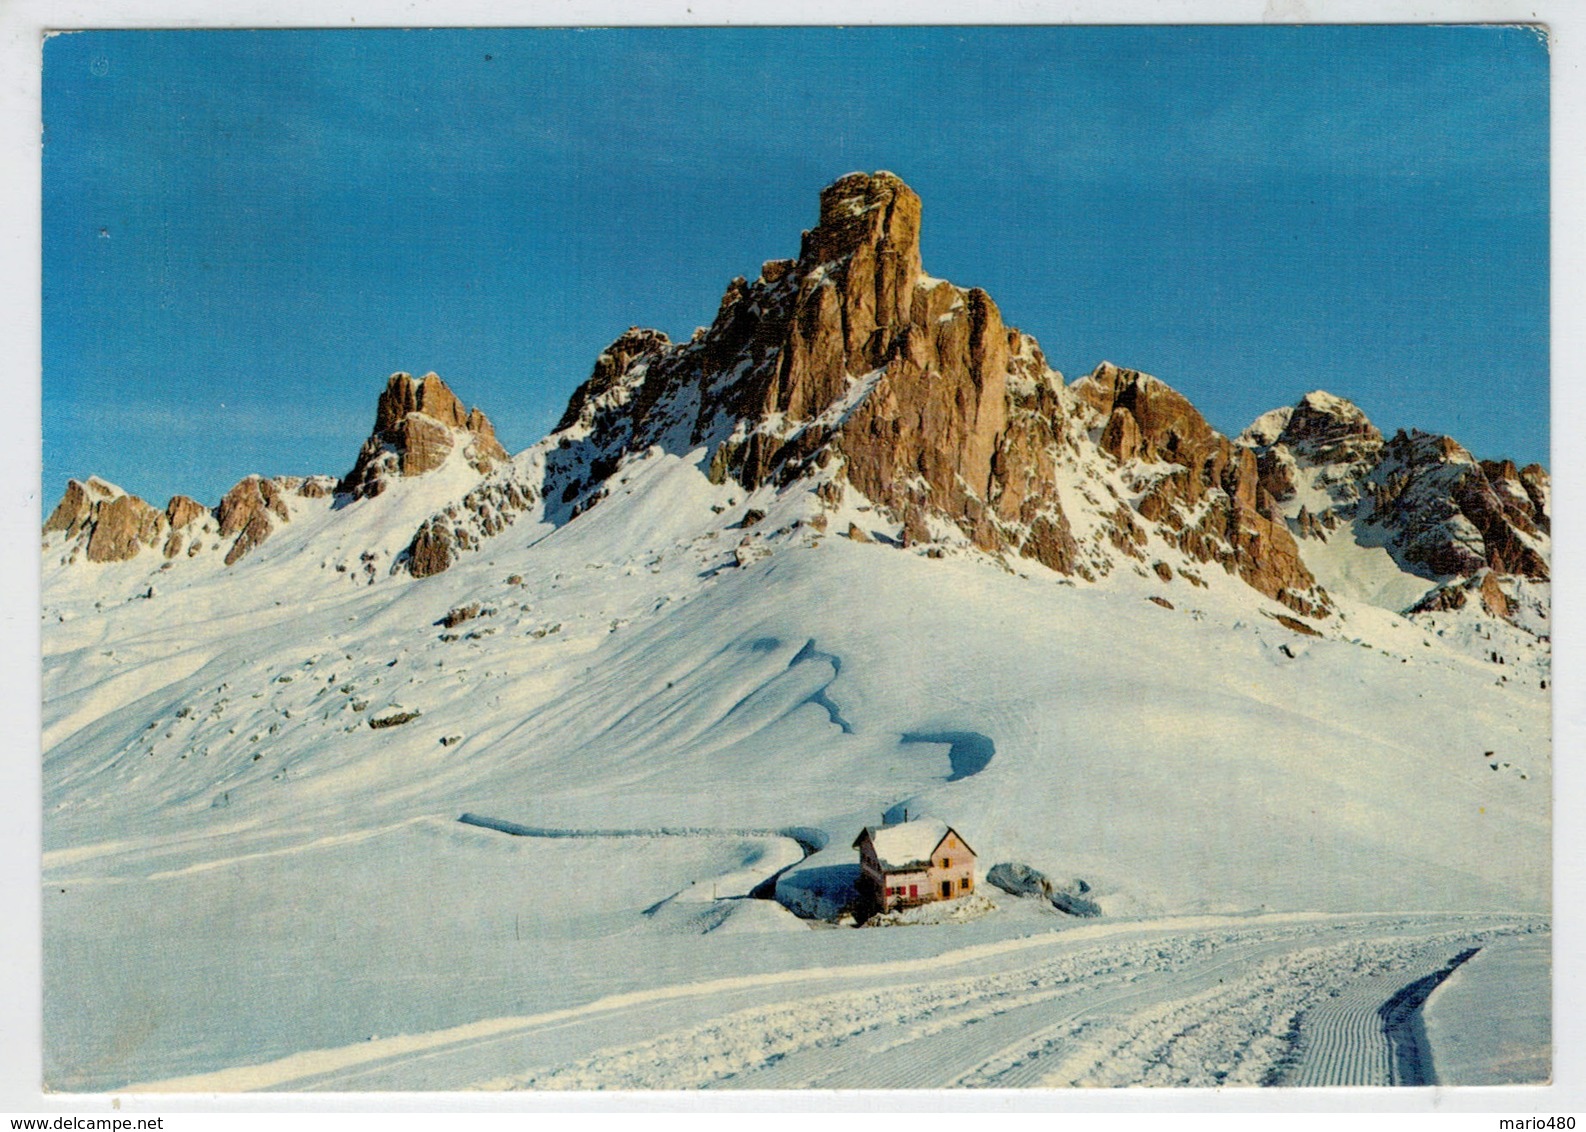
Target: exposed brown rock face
pixel 244 502
pixel 1166 426
pixel 850 366
pixel 961 413
pixel 182 510
pixel 74 509
pixel 1234 523
pixel 1493 599
pixel 1522 494
pixel 1275 475
pixel 108 524
pixel 431 550
pixel 849 361
pixel 417 423
pixel 181 513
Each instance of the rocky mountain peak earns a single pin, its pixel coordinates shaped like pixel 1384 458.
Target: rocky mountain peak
pixel 418 422
pixel 853 373
pixel 1320 432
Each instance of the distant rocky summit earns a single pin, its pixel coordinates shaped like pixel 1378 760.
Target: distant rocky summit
pixel 417 425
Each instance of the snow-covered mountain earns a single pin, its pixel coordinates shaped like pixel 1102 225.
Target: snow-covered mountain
pixel 853 549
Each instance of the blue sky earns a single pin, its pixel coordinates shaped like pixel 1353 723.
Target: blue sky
pixel 246 232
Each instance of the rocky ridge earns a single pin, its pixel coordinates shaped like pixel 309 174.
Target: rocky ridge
pixel 1202 491
pixel 418 424
pixel 99 522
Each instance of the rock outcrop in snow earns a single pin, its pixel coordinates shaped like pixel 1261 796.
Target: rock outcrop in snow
pixel 99 522
pixel 850 381
pixel 103 522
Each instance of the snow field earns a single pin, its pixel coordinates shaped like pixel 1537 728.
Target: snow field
pixel 259 955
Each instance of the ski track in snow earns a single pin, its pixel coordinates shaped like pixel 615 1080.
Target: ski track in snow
pixel 1287 1000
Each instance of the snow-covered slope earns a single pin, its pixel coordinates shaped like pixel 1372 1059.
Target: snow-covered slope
pixel 633 668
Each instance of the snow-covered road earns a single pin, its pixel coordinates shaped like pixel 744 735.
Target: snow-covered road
pixel 1280 1000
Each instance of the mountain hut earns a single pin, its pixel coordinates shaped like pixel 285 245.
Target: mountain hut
pixel 913 862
